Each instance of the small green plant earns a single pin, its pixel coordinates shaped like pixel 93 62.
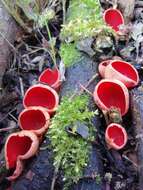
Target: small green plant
pixel 84 20
pixel 69 53
pixel 70 153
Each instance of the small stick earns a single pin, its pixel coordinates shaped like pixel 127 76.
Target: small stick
pixel 8 114
pixel 86 86
pixel 125 157
pixel 10 44
pixel 7 129
pixel 21 86
pixel 85 89
pixel 14 118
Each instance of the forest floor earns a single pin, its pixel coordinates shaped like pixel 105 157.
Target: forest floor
pixel 44 47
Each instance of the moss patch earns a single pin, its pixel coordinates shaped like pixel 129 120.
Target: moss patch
pixel 84 20
pixel 69 53
pixel 70 153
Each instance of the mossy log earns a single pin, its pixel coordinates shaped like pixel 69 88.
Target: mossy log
pixel 8 30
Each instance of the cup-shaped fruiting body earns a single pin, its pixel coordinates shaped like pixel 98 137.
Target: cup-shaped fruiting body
pixel 43 96
pixel 114 18
pixel 19 147
pixel 122 71
pixel 111 94
pixel 34 119
pixel 51 78
pixel 116 136
pixel 102 66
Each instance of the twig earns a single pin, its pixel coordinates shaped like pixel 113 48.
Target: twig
pixel 52 54
pixel 125 157
pixel 7 114
pixel 7 129
pixel 21 86
pixel 86 86
pixel 10 44
pixel 85 89
pixel 64 11
pixel 55 176
pixel 14 118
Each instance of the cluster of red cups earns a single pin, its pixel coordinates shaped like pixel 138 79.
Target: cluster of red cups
pixel 112 92
pixel 40 103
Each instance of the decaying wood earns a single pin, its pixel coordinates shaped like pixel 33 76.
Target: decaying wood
pixel 137 118
pixel 8 30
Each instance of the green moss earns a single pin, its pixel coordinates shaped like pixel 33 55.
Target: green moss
pixel 84 20
pixel 71 154
pixel 69 54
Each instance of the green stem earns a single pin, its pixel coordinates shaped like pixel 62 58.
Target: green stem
pixel 64 11
pixel 53 56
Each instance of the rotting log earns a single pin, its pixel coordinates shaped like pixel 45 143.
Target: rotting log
pixel 8 29
pixel 81 73
pixel 137 122
pixel 41 168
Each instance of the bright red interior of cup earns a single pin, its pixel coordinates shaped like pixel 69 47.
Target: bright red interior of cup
pixel 17 146
pixel 40 96
pixel 112 95
pixel 49 76
pixel 32 120
pixel 114 18
pixel 116 133
pixel 125 69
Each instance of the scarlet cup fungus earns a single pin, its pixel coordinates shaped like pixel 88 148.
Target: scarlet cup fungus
pixel 111 94
pixel 51 78
pixel 43 96
pixel 114 18
pixel 19 147
pixel 102 67
pixel 116 136
pixel 122 71
pixel 35 119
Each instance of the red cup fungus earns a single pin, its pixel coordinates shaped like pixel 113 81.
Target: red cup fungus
pixel 114 18
pixel 122 71
pixel 19 147
pixel 116 136
pixel 102 67
pixel 111 94
pixel 43 96
pixel 34 119
pixel 51 78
